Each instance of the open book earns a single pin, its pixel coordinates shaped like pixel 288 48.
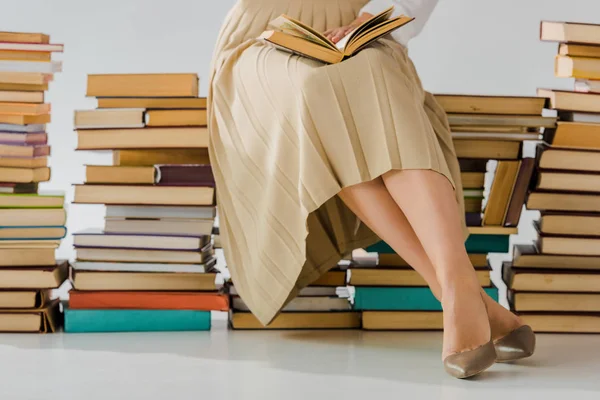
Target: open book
pixel 293 36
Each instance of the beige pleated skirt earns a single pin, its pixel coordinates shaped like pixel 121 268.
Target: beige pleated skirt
pixel 288 133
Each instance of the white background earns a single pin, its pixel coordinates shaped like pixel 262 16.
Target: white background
pixel 469 46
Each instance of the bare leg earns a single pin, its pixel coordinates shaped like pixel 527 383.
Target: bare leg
pixel 373 204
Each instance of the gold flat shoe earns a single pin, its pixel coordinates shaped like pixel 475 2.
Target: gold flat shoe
pixel 518 344
pixel 470 362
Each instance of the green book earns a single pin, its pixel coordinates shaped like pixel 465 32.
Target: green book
pixel 82 321
pixel 32 200
pixel 475 244
pixel 402 298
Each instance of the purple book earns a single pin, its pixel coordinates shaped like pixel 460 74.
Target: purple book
pixel 473 219
pixel 184 175
pixel 23 138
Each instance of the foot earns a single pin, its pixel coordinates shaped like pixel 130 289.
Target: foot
pixel 502 321
pixel 466 325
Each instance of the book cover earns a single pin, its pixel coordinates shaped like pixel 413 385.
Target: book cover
pixel 184 175
pixel 474 244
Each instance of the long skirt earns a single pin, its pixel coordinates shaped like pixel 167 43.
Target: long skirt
pixel 287 133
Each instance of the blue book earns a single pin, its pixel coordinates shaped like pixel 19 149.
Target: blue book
pixel 82 321
pixel 475 244
pixel 402 298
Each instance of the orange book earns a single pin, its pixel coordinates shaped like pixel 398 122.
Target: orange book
pixel 148 300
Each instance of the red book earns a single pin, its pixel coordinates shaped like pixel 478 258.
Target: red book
pixel 149 300
pixel 184 175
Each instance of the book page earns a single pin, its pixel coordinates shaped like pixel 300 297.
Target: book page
pixel 373 21
pixel 292 27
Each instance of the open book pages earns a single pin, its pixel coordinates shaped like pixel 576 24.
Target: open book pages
pixel 293 36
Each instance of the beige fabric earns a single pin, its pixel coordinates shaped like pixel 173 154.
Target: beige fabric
pixel 288 133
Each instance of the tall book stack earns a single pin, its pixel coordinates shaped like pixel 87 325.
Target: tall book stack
pixel 151 268
pixel 322 305
pixel 32 223
pixel 488 132
pixel 556 283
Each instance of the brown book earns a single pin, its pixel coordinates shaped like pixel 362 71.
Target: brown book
pixel 473 204
pixel 493 230
pixel 38 217
pixel 571 101
pixel 25 162
pixel 151 138
pixel 24 151
pixel 162 156
pixel 500 193
pixel 23 87
pixel 564 159
pixel 472 180
pixel 148 300
pixel 167 195
pixel 44 320
pixel 119 174
pixel 28 243
pixel 21 97
pixel 402 320
pixel 143 85
pixel 331 278
pixel 506 130
pixel 519 192
pixel 577 67
pixel 567 181
pixel 99 238
pixel 17 119
pixel 547 201
pixel 163 226
pixel 39 277
pixel 489 150
pixel 184 175
pixel 400 277
pixel 527 256
pixel 113 118
pixel 578 50
pixel 12 187
pixel 153 102
pixel 562 322
pixel 24 298
pixel 573 32
pixel 24 109
pixel 16 55
pixel 24 37
pixel 143 281
pixel 394 260
pixel 176 118
pixel 303 304
pixel 472 165
pixel 575 135
pixel 501 120
pixel 473 104
pixel 518 137
pixel 143 255
pixel 540 280
pixel 25 78
pixel 298 320
pixel 552 302
pixel 569 245
pixel 39 200
pixel 24 175
pixel 575 116
pixel 30 258
pixel 569 224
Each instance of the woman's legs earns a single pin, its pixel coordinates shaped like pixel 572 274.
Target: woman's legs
pixel 373 204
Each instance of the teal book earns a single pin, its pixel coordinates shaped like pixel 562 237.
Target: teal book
pixel 482 244
pixel 402 298
pixel 86 321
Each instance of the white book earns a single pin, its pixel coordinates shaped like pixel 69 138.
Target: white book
pixel 31 66
pixel 143 267
pixel 312 303
pixel 312 291
pixel 157 212
pixel 98 238
pixel 583 117
pixel 587 85
pixel 171 226
pixel 22 128
pixel 31 47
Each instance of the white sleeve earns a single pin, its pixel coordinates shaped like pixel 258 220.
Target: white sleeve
pixel 419 9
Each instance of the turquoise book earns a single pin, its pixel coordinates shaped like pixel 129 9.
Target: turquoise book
pixel 402 298
pixel 475 244
pixel 87 321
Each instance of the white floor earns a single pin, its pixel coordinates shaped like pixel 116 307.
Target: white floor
pixel 305 365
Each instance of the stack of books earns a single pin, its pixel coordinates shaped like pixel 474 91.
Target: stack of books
pixel 32 223
pixel 322 305
pixel 556 283
pixel 152 266
pixel 488 134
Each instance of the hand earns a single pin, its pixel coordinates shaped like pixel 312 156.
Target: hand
pixel 336 34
